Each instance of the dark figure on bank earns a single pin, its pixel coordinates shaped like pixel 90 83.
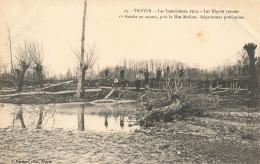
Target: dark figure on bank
pixel 115 83
pixel 146 77
pixel 122 74
pixel 182 72
pixel 167 73
pixel 138 84
pixel 106 73
pixel 139 78
pixel 159 74
pixel 172 83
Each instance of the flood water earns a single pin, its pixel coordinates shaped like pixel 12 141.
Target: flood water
pixel 98 117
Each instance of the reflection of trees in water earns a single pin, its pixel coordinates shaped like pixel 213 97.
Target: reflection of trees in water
pixel 39 124
pixel 106 122
pixel 114 112
pixel 122 121
pixel 38 116
pixel 20 116
pixel 14 117
pixel 113 109
pixel 81 121
pixel 32 114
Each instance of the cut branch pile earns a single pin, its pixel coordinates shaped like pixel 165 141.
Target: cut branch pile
pixel 174 109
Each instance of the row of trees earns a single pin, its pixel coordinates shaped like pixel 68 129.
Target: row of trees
pixel 247 68
pixel 30 54
pixel 239 70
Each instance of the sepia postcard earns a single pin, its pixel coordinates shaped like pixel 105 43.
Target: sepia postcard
pixel 133 81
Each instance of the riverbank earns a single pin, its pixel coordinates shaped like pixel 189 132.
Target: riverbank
pixel 69 97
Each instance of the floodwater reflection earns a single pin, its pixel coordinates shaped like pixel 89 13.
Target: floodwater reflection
pixel 81 121
pixel 19 116
pixel 39 124
pixel 70 117
pixel 106 122
pixel 122 121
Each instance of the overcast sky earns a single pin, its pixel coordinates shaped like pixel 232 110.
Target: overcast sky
pixel 58 25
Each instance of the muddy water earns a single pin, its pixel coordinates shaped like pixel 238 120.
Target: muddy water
pixel 98 117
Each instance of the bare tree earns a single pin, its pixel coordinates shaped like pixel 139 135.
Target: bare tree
pixel 2 65
pixel 23 58
pixel 10 49
pixel 81 77
pixel 88 62
pixel 68 74
pixel 242 64
pixel 124 63
pixel 36 54
pixel 250 49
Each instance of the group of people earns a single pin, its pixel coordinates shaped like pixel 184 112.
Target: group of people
pixel 143 76
pixel 116 80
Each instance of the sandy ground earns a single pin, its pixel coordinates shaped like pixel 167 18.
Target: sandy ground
pixel 199 140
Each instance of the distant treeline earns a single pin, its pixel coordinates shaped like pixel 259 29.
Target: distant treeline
pixel 237 71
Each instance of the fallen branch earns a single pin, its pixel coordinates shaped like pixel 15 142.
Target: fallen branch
pixel 221 91
pixel 109 94
pixel 216 88
pixel 7 91
pixel 55 85
pixel 45 93
pixel 103 101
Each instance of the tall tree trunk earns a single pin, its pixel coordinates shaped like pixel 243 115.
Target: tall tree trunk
pixel 253 81
pixel 252 75
pixel 41 80
pixel 39 73
pixel 81 79
pixel 11 53
pixel 21 78
pixel 40 77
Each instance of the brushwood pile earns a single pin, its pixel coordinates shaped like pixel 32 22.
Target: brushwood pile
pixel 166 110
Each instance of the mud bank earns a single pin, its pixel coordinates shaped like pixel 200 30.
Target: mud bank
pixel 166 143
